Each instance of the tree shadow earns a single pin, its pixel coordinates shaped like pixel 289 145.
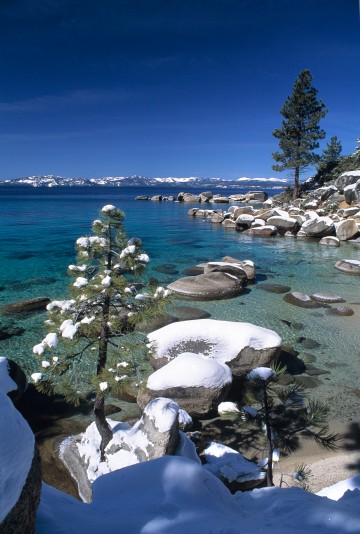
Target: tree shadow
pixel 352 443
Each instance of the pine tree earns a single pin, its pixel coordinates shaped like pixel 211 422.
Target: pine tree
pixel 357 148
pixel 281 413
pixel 330 156
pixel 89 329
pixel 300 132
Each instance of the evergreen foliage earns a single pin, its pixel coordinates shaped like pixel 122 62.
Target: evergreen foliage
pixel 300 132
pixel 282 413
pixel 92 335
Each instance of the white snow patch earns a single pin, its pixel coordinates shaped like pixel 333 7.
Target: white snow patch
pixel 228 407
pixel 225 339
pixel 80 282
pixel 68 329
pixel 190 370
pixel 228 464
pixel 264 373
pixel 336 491
pixel 163 412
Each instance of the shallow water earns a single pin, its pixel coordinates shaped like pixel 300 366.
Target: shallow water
pixel 37 234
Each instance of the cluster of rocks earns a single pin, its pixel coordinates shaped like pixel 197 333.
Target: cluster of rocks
pixel 330 214
pixel 252 197
pixel 215 280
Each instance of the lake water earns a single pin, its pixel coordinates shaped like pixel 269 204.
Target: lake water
pixel 40 225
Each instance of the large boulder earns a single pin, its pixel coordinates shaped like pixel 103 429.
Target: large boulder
pixel 347 178
pixel 262 231
pixel 330 241
pixel 348 266
pixel 153 436
pixel 318 226
pixel 234 269
pixel 210 286
pixel 20 471
pixel 284 224
pixel 346 229
pixel 244 221
pixel 205 196
pixel 197 383
pixel 247 265
pixel 242 346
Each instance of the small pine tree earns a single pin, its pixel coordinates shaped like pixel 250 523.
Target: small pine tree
pixel 300 132
pixel 281 413
pixel 104 309
pixel 357 148
pixel 330 156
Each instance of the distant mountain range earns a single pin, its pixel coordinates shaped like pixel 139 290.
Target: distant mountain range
pixel 144 181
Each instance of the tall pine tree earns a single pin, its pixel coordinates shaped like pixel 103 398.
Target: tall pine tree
pixel 105 307
pixel 300 132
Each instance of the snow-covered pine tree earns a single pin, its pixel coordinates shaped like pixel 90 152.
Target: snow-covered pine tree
pixel 89 329
pixel 357 148
pixel 282 413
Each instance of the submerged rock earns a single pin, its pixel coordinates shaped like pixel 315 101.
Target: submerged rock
pixel 210 286
pixel 348 266
pixel 297 298
pixel 25 306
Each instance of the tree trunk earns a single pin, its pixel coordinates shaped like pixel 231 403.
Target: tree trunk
pixel 296 183
pixel 101 424
pixel 269 469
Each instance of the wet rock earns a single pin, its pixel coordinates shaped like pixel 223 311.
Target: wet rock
pixel 7 332
pixel 345 311
pixel 315 371
pixel 274 288
pixel 308 343
pixel 348 266
pixel 297 298
pixel 262 231
pixel 166 268
pixel 290 360
pixel 330 241
pixel 211 286
pixel 25 306
pixel 193 271
pixel 187 313
pixel 308 382
pixel 247 265
pixel 157 322
pixel 327 297
pixel 307 357
pixel 142 197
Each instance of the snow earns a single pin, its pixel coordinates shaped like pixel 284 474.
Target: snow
pixel 106 281
pixel 336 491
pixel 103 386
pixel 225 339
pixel 6 382
pixel 36 377
pixel 143 258
pixel 108 208
pixel 16 452
pixel 228 464
pixel 163 412
pixel 227 407
pixel 45 364
pixel 264 373
pixel 68 329
pixel 127 250
pixel 351 173
pixel 64 305
pixel 80 282
pixel 51 340
pixel 174 495
pixel 190 370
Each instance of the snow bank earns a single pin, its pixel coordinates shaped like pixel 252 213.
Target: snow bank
pixel 173 495
pixel 337 490
pixel 190 370
pixel 6 383
pixel 225 339
pixel 230 465
pixel 16 453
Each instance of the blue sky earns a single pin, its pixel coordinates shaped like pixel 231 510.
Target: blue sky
pixel 167 87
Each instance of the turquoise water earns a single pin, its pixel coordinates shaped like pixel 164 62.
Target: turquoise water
pixel 37 234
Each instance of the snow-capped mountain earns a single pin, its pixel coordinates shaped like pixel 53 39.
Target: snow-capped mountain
pixel 144 181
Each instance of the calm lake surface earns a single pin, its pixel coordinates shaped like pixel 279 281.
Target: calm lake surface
pixel 40 225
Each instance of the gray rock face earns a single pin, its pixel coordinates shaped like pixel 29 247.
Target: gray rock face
pixel 211 286
pixel 219 199
pixel 318 227
pixel 242 346
pixel 244 221
pixel 197 383
pixel 345 311
pixel 345 179
pixel 262 231
pixel 206 196
pixel 247 265
pixel 233 269
pixel 25 306
pixel 188 197
pixel 346 229
pixel 330 241
pixel 284 224
pixel 348 266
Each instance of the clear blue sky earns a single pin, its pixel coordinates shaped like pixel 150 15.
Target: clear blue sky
pixel 167 87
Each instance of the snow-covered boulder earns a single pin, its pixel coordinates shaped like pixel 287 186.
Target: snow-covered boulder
pixel 318 226
pixel 237 473
pixel 347 178
pixel 247 265
pixel 154 435
pixel 346 229
pixel 20 470
pixel 197 383
pixel 231 268
pixel 242 346
pixel 348 266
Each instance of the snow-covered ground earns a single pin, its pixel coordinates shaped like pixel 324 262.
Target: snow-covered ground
pixel 175 495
